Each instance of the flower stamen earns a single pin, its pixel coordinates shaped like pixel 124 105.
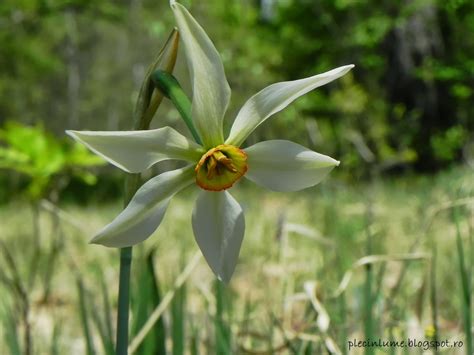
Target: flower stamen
pixel 221 167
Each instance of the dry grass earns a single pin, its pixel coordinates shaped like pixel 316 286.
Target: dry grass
pixel 284 295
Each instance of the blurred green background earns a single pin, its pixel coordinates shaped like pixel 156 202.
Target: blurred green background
pixel 401 123
pixel 406 107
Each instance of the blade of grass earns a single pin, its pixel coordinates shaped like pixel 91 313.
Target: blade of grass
pixel 52 256
pixel 90 350
pixel 36 235
pixel 54 350
pixel 21 296
pixel 392 349
pixel 159 328
pixel 178 311
pixel 107 310
pixel 155 316
pixel 107 341
pixel 420 298
pixel 194 340
pixel 465 286
pixel 245 324
pixel 371 259
pixel 431 217
pixel 145 298
pixel 342 326
pixel 323 320
pixel 140 299
pixel 11 336
pixel 287 344
pixel 434 295
pixel 368 293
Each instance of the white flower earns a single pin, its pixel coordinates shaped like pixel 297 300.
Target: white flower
pixel 218 220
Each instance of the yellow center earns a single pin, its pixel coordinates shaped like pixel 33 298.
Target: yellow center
pixel 221 167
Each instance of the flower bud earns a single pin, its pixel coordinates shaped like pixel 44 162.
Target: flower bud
pixel 150 99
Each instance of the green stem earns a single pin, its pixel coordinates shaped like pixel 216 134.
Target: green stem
pixel 170 87
pixel 147 104
pixel 132 184
pixel 123 301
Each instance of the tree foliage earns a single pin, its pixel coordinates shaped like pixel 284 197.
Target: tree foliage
pixel 78 64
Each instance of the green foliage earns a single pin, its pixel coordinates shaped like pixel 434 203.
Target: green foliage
pixel 447 144
pixel 145 297
pixel 411 91
pixel 12 338
pixel 43 158
pixel 37 39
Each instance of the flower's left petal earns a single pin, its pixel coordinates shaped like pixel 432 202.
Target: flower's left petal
pixel 136 151
pixel 145 211
pixel 219 225
pixel 275 98
pixel 286 166
pixel 211 91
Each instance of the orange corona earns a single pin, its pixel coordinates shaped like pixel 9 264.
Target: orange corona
pixel 221 167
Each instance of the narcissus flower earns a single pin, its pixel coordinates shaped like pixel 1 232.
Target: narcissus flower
pixel 217 219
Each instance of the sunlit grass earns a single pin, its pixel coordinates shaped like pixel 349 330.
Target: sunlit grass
pixel 291 239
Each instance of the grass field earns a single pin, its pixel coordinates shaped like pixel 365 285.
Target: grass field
pixel 389 259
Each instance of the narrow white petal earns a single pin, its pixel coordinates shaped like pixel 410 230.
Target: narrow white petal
pixel 136 151
pixel 275 98
pixel 145 211
pixel 211 92
pixel 286 166
pixel 219 225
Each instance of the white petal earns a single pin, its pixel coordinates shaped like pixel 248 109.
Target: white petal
pixel 275 98
pixel 145 211
pixel 286 166
pixel 219 225
pixel 211 92
pixel 136 151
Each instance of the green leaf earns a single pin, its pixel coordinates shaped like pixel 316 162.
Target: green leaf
pixel 146 298
pixel 84 314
